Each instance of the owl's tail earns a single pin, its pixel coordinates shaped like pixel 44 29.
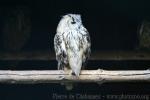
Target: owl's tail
pixel 75 62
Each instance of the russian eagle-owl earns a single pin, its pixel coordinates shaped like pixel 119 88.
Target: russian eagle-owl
pixel 72 43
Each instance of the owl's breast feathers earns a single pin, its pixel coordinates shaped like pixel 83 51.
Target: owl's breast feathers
pixel 72 48
pixel 77 45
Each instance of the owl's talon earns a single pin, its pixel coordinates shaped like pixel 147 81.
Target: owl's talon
pixel 71 72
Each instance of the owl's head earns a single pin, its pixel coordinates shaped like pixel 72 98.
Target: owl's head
pixel 71 21
pixel 72 18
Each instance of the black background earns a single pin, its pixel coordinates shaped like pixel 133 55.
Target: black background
pixel 112 25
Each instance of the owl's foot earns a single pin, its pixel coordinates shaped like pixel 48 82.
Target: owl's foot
pixel 73 74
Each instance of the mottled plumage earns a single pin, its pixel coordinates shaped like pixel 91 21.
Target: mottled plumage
pixel 72 43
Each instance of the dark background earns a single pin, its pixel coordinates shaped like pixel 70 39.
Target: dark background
pixel 112 24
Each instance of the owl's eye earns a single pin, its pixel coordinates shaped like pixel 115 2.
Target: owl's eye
pixel 73 22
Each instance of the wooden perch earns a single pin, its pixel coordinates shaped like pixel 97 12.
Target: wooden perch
pixel 57 76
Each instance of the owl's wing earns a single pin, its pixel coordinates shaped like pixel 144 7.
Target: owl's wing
pixel 87 46
pixel 60 50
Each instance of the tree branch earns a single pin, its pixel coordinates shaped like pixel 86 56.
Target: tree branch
pixel 57 76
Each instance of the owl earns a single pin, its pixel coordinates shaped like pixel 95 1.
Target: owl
pixel 72 44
